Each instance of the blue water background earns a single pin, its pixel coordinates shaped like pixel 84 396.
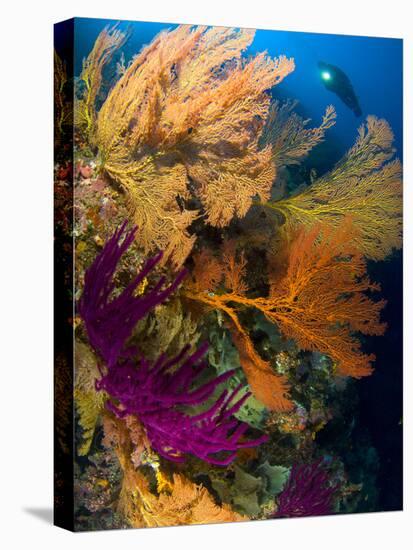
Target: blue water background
pixel 374 66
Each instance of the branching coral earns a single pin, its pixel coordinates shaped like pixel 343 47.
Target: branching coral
pixel 270 388
pixel 89 402
pixel 309 492
pixel 182 503
pixel 155 393
pixel 288 135
pixel 362 186
pixel 321 262
pixel 90 79
pixel 63 110
pixel 321 300
pixel 185 118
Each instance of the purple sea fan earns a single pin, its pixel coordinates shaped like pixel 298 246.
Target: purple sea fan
pixel 109 322
pixel 158 393
pixel 308 492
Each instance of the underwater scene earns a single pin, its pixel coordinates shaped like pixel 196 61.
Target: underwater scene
pixel 232 199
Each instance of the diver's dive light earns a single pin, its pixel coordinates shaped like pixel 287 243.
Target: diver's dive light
pixel 325 75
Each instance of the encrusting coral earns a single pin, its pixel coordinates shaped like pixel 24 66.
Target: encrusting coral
pixel 156 392
pixel 362 186
pixel 185 118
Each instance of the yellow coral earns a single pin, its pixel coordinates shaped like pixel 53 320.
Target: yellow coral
pixel 168 330
pixel 89 406
pixel 286 132
pixel 62 108
pixel 108 41
pixel 181 503
pixel 184 119
pixel 89 402
pixel 362 186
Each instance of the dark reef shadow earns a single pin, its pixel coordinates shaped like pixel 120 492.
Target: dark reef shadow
pixel 45 514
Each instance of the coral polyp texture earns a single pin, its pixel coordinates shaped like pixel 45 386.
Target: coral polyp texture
pixel 227 271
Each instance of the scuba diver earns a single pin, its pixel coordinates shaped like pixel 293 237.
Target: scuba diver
pixel 338 82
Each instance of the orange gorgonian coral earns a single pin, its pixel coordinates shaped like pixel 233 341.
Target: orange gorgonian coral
pixel 184 120
pixel 362 186
pixel 267 386
pixel 179 500
pixel 184 503
pixel 321 300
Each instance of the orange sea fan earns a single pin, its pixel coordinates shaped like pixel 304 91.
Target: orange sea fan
pixel 179 502
pixel 185 119
pixel 270 388
pixel 321 300
pixel 267 386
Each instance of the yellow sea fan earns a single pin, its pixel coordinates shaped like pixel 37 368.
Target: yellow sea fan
pixel 89 403
pixel 182 503
pixel 108 41
pixel 63 111
pixel 184 120
pixel 152 192
pixel 287 133
pixel 89 406
pixel 361 186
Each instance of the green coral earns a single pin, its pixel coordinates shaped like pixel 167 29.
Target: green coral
pixel 223 356
pixel 249 492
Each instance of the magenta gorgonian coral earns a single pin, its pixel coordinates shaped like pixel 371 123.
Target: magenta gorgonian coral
pixel 160 393
pixel 110 320
pixel 308 492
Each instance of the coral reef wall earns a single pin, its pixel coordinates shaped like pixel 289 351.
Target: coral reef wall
pixel 222 306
